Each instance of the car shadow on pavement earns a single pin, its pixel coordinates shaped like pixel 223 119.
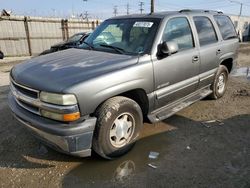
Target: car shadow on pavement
pixel 194 154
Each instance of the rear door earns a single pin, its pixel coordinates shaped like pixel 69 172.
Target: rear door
pixel 229 38
pixel 176 75
pixel 210 49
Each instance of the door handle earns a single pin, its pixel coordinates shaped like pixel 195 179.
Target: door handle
pixel 195 58
pixel 218 52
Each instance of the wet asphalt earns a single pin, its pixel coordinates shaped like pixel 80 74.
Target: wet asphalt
pixel 204 145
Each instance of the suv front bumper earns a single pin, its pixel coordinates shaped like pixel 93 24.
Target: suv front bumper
pixel 73 138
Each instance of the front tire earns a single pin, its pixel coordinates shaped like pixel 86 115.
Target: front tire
pixel 119 121
pixel 219 85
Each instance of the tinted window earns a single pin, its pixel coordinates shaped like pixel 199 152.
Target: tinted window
pixel 179 31
pixel 109 35
pixel 75 38
pixel 205 30
pixel 128 36
pixel 226 27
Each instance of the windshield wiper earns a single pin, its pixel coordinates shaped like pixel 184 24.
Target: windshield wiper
pixel 119 50
pixel 90 47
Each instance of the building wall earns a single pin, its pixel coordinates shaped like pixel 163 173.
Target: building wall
pixel 25 36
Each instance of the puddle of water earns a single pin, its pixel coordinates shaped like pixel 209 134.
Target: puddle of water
pixel 154 138
pixel 156 128
pixel 242 72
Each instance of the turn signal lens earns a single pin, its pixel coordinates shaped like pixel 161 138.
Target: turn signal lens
pixel 61 117
pixel 71 117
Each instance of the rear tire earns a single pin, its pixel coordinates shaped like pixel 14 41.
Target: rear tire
pixel 219 85
pixel 119 121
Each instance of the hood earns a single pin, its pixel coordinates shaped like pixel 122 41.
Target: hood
pixel 57 71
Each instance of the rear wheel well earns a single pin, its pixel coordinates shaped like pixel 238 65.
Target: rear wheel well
pixel 228 63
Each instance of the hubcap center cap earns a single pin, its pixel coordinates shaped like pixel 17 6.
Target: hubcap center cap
pixel 121 129
pixel 221 83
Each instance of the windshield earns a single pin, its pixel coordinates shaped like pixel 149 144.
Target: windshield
pixel 75 38
pixel 125 36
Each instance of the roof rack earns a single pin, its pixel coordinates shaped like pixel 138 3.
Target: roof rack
pixel 195 10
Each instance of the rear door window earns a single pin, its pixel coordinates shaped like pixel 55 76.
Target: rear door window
pixel 226 27
pixel 205 30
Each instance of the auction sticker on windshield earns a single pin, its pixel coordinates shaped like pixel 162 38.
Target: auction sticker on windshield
pixel 143 24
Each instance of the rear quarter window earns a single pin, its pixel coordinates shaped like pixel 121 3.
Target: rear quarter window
pixel 226 27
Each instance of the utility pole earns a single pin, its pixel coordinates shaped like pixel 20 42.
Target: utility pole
pixel 54 12
pixel 152 6
pixel 239 18
pixel 241 5
pixel 115 11
pixel 84 1
pixel 86 15
pixel 128 8
pixel 141 4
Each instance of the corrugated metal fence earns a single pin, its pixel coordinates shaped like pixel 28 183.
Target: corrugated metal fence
pixel 27 36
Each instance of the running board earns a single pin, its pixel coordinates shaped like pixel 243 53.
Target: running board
pixel 170 109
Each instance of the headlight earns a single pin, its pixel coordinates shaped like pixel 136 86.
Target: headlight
pixel 61 117
pixel 60 99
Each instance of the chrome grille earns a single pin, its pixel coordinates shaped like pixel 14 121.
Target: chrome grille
pixel 28 99
pixel 25 90
pixel 25 97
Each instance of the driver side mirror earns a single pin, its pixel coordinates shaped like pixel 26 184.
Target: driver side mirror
pixel 168 48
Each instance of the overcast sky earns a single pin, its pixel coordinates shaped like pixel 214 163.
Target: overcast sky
pixel 104 9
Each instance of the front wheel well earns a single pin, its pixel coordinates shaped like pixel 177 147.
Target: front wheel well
pixel 228 63
pixel 140 97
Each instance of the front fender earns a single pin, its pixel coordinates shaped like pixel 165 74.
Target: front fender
pixel 90 94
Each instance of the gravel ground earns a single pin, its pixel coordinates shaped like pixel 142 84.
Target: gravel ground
pixel 192 153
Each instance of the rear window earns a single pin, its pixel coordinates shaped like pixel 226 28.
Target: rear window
pixel 226 27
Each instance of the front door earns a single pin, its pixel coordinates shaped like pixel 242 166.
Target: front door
pixel 177 75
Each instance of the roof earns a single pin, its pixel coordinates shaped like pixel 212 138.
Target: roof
pixel 168 13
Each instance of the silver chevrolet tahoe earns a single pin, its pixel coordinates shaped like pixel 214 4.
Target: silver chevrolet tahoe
pixel 131 68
